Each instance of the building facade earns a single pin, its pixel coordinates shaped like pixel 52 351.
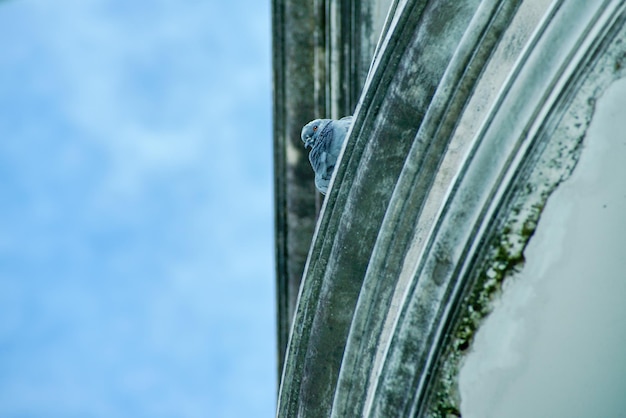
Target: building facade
pixel 447 207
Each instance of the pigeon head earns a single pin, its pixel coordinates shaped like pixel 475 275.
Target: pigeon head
pixel 311 131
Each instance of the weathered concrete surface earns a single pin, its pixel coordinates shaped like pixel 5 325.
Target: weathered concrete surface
pixel 294 51
pixel 321 55
pixel 451 158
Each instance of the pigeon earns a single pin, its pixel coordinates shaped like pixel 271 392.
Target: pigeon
pixel 325 137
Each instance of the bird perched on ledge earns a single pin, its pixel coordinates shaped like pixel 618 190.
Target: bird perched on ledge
pixel 325 137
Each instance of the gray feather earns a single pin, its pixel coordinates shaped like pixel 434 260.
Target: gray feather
pixel 325 137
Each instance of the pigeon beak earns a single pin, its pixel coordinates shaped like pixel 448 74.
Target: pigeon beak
pixel 308 142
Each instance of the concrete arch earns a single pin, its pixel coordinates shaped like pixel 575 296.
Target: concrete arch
pixel 471 115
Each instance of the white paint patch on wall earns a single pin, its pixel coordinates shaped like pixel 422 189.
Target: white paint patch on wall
pixel 554 344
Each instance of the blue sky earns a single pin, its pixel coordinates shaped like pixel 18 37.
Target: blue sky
pixel 136 236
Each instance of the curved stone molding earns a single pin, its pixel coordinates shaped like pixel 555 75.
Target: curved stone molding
pixel 346 234
pixel 322 52
pixel 491 208
pixel 471 115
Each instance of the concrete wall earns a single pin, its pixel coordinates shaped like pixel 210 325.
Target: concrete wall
pixel 471 116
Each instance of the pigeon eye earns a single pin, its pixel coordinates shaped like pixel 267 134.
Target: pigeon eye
pixel 314 128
